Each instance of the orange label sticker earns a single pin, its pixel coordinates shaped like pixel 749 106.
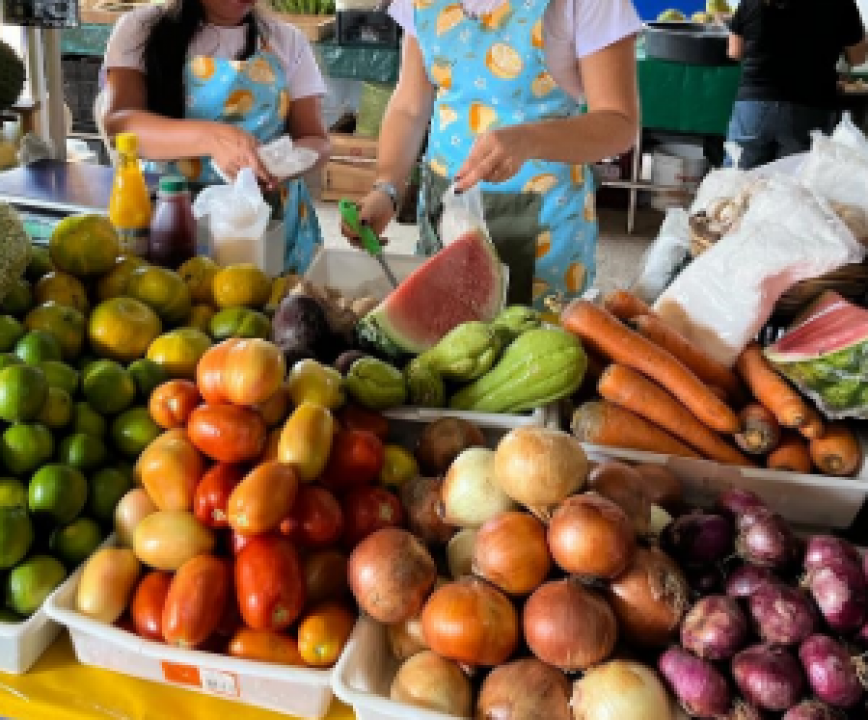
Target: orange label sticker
pixel 181 674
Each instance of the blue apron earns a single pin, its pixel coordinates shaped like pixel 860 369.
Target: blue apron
pixel 252 95
pixel 491 72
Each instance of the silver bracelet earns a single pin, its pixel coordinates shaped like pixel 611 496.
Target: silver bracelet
pixel 386 187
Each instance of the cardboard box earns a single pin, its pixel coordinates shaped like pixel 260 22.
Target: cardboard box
pixel 352 168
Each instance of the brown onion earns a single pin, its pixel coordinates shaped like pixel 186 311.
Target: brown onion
pixel 406 638
pixel 420 497
pixel 391 574
pixel 472 622
pixel 429 681
pixel 511 552
pixel 590 536
pixel 469 494
pixel 524 690
pixel 622 485
pixel 661 486
pixel 444 440
pixel 569 626
pixel 650 598
pixel 459 553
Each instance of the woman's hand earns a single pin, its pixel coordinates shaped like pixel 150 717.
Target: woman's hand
pixel 375 211
pixel 496 157
pixel 232 149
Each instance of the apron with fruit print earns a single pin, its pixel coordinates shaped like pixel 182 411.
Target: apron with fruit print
pixel 251 94
pixel 490 72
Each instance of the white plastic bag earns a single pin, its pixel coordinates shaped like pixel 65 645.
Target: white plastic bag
pixel 849 135
pixel 836 173
pixel 462 214
pixel 665 257
pixel 722 184
pixel 237 218
pixel 725 296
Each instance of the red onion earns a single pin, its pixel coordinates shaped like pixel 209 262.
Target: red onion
pixel 746 519
pixel 768 542
pixel 839 589
pixel 736 501
pixel 698 685
pixel 768 677
pixel 826 548
pixel 705 579
pixel 831 672
pixel 811 710
pixel 699 538
pixel 744 581
pixel 715 628
pixel 783 615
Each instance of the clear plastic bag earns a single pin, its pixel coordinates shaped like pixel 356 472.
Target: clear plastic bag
pixel 462 214
pixel 837 173
pixel 666 257
pixel 849 135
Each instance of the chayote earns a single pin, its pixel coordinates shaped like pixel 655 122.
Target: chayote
pixel 465 353
pixel 425 387
pixel 376 384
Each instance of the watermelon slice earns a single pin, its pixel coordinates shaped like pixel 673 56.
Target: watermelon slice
pixel 465 281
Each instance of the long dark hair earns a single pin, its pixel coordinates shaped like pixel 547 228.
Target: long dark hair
pixel 165 53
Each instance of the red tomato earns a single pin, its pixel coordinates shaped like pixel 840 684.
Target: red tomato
pixel 212 494
pixel 356 459
pixel 269 583
pixel 238 541
pixel 147 606
pixel 227 433
pixel 355 417
pixel 195 602
pixel 231 618
pixel 368 509
pixel 316 519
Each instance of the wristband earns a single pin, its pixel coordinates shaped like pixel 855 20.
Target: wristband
pixel 386 187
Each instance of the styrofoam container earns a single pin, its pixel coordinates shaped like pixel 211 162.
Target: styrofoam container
pixel 303 692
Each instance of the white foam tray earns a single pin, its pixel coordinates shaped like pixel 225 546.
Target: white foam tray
pixel 296 691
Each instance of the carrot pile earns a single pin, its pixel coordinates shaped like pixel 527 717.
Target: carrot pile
pixel 660 392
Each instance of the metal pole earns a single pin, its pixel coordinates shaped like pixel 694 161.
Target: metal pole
pixel 36 68
pixel 56 109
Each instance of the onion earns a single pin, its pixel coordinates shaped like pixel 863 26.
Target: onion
pixel 650 598
pixel 823 549
pixel 429 681
pixel 622 485
pixel 704 579
pixel 698 685
pixel 783 615
pixel 769 677
pixel 699 538
pixel 406 638
pixel 511 552
pixel 767 541
pixel 539 467
pixel 832 673
pixel 471 621
pixel 590 536
pixel 715 628
pixel 839 589
pixel 736 501
pixel 744 580
pixel 568 626
pixel 391 574
pixel 661 486
pixel 420 497
pixel 459 553
pixel 811 710
pixel 443 440
pixel 620 690
pixel 660 520
pixel 469 494
pixel 522 690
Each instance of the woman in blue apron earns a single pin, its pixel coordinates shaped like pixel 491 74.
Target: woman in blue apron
pixel 203 83
pixel 521 95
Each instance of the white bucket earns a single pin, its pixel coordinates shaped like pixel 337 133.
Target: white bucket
pixel 681 166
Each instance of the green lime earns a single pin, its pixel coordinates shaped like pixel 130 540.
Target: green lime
pixel 7 616
pixel 239 322
pixel 30 583
pixel 76 542
pixel 23 390
pixel 133 430
pixel 82 451
pixel 88 421
pixel 107 487
pixel 148 376
pixel 16 535
pixel 57 411
pixel 108 387
pixel 24 447
pixel 12 493
pixel 7 359
pixel 38 345
pixel 58 491
pixel 18 300
pixel 84 362
pixel 11 331
pixel 60 375
pixel 40 263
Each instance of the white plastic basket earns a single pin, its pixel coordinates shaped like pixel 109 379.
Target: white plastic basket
pixel 296 691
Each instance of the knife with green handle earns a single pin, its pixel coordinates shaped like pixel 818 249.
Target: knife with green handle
pixel 367 237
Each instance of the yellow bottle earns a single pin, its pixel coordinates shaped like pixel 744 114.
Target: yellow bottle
pixel 130 203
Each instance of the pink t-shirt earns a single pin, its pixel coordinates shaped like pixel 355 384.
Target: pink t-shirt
pixel 572 29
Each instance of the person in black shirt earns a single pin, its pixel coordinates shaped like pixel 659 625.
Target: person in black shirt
pixel 789 51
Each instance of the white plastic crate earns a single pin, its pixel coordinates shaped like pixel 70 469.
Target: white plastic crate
pixel 303 692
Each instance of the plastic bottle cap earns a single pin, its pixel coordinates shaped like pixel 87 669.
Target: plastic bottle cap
pixel 126 143
pixel 173 184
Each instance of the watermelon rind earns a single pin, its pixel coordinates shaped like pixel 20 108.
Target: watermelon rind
pixel 371 337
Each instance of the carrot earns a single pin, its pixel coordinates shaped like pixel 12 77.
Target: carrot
pixel 629 389
pixel 706 368
pixel 594 371
pixel 771 389
pixel 604 423
pixel 791 455
pixel 814 426
pixel 760 430
pixel 838 452
pixel 598 329
pixel 624 305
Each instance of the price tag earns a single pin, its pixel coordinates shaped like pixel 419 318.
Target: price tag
pixel 221 683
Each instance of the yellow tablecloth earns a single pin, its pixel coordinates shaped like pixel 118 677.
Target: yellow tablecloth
pixel 59 688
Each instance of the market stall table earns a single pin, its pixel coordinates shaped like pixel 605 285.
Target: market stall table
pixel 59 688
